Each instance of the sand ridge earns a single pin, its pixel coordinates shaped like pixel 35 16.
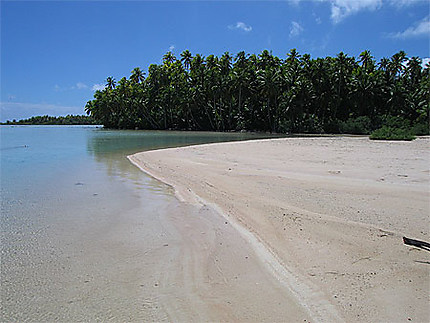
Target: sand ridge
pixel 331 211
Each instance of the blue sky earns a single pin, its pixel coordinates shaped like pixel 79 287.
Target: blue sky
pixel 54 54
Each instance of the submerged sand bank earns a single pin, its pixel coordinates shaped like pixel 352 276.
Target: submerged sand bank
pixel 327 216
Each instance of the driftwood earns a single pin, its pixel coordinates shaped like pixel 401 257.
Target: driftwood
pixel 417 243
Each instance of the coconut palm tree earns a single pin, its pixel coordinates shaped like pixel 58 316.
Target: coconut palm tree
pixel 293 56
pixel 265 93
pixel 366 60
pixel 225 62
pixel 110 83
pixel 169 58
pixel 396 64
pixel 186 58
pixel 269 88
pixel 137 75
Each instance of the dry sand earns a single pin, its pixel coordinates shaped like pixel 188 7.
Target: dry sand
pixel 312 228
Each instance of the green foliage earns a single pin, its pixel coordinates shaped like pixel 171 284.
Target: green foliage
pixel 396 122
pixel 420 129
pixel 48 120
pixel 356 126
pixel 390 133
pixel 262 92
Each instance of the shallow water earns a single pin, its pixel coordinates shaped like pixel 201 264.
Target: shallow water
pixel 79 222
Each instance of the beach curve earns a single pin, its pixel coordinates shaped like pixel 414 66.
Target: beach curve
pixel 289 232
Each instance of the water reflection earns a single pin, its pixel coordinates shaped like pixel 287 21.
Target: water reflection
pixel 103 142
pixel 110 147
pixel 65 245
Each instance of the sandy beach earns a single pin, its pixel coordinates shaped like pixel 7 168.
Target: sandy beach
pixel 320 222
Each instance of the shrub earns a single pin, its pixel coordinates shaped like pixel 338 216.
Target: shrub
pixel 332 126
pixel 396 122
pixel 309 124
pixel 420 129
pixel 357 126
pixel 390 133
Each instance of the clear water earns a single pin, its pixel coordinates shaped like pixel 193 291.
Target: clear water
pixel 43 165
pixel 66 194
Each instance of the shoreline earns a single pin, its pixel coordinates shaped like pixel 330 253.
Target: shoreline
pixel 356 290
pixel 319 309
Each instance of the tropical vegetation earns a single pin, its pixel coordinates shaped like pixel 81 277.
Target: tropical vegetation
pixel 50 120
pixel 295 94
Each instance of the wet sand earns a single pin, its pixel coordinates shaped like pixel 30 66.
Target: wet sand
pixel 86 236
pixel 298 229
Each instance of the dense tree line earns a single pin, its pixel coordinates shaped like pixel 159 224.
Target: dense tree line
pixel 262 92
pixel 49 120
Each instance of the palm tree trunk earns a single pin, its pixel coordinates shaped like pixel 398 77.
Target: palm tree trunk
pixel 268 115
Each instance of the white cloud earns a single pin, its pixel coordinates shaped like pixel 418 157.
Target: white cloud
pixel 98 87
pixel 81 86
pixel 426 60
pixel 19 110
pixel 294 2
pixel 295 29
pixel 171 47
pixel 404 3
pixel 241 26
pixel 341 9
pixel 420 28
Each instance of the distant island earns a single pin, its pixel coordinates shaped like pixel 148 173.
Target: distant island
pixel 49 120
pixel 297 94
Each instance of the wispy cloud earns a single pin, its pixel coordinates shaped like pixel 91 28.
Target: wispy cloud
pixel 77 86
pixel 403 3
pixel 294 2
pixel 420 28
pixel 20 110
pixel 81 86
pixel 295 29
pixel 340 9
pixel 98 87
pixel 241 26
pixel 171 47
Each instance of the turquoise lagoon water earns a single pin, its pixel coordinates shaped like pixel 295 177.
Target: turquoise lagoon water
pixel 69 197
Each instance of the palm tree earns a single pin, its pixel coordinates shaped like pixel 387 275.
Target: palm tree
pixel 169 58
pixel 292 56
pixel 197 70
pixel 396 64
pixel 110 83
pixel 366 60
pixel 137 75
pixel 240 80
pixel 211 62
pixel 240 60
pixel 343 67
pixel 225 62
pixel 265 93
pixel 384 63
pixel 264 59
pixel 269 85
pixel 414 69
pixel 186 59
